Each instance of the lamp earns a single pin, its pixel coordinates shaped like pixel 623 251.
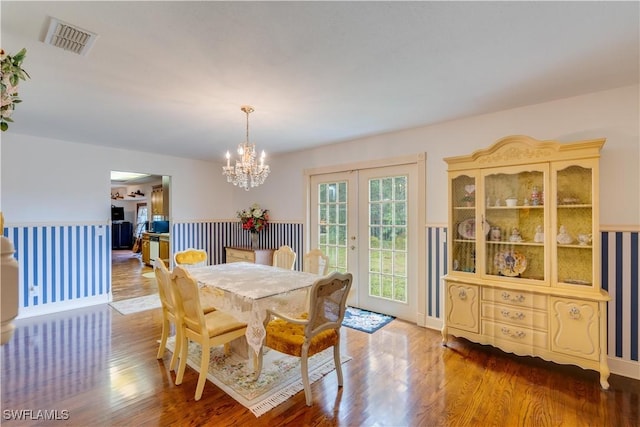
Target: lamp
pixel 247 172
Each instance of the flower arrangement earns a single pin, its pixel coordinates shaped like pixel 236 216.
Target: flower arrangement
pixel 12 73
pixel 254 219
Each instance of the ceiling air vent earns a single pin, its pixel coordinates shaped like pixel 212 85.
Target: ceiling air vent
pixel 69 37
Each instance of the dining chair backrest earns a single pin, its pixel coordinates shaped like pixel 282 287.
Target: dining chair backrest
pixel 320 330
pixel 328 302
pixel 316 262
pixel 284 257
pixel 191 258
pixel 188 300
pixel 163 278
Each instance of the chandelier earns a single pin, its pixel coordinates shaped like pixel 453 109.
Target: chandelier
pixel 247 172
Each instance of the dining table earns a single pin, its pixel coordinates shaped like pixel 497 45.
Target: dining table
pixel 247 291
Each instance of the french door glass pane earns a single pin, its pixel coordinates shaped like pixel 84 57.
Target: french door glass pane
pixel 387 238
pixel 332 224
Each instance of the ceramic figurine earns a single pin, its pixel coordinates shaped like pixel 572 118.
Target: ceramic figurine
pixel 564 238
pixel 515 235
pixel 495 234
pixel 539 236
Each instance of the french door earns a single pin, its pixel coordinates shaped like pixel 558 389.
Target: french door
pixel 365 221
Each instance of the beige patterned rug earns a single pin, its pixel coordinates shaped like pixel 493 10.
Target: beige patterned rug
pixel 280 378
pixel 135 305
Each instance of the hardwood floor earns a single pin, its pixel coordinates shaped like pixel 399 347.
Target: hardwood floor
pixel 101 367
pixel 127 271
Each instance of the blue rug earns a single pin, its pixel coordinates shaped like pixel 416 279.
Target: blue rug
pixel 365 321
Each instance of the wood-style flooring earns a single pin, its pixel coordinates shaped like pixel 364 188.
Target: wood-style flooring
pixel 96 367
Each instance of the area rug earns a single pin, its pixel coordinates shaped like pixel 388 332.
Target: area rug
pixel 280 378
pixel 364 320
pixel 134 305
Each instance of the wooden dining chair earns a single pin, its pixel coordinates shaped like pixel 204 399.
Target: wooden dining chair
pixel 284 257
pixel 190 258
pixel 169 311
pixel 315 262
pixel 209 330
pixel 314 331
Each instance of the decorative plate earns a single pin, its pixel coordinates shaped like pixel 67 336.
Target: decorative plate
pixel 510 263
pixel 467 228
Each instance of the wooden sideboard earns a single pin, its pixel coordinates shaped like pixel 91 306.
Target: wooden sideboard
pixel 256 256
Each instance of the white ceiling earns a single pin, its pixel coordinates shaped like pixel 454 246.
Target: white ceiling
pixel 170 77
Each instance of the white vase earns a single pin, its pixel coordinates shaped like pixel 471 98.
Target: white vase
pixel 254 240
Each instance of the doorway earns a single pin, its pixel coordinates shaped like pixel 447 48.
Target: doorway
pixel 366 220
pixel 133 192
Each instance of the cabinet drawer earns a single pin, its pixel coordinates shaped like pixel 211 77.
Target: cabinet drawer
pixel 514 297
pixel 235 255
pixel 524 316
pixel 517 334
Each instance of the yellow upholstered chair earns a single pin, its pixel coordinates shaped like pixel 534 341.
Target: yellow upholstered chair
pixel 313 331
pixel 284 257
pixel 190 258
pixel 209 330
pixel 316 262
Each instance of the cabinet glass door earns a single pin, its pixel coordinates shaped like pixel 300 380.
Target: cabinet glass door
pixel 574 235
pixel 515 223
pixel 463 215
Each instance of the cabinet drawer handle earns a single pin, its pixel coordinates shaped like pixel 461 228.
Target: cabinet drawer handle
pixel 507 297
pixel 462 294
pixel 517 315
pixel 574 313
pixel 516 334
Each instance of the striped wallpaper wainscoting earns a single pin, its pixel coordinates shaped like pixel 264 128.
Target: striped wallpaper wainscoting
pixel 215 236
pixel 70 264
pixel 620 260
pixel 61 266
pixel 436 268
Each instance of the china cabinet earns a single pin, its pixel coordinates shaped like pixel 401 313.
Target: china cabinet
pixel 524 251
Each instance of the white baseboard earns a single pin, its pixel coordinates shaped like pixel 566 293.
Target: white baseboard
pixel 56 307
pixel 626 368
pixel 433 323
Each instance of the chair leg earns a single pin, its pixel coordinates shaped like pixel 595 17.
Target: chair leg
pixel 183 359
pixel 257 364
pixel 204 370
pixel 163 338
pixel 336 361
pixel 177 350
pixel 304 365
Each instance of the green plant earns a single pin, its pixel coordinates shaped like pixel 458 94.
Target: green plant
pixel 12 73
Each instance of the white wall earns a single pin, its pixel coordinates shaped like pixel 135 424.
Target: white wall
pixel 612 114
pixel 46 180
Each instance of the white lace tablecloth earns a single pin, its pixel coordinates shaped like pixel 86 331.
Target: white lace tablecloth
pixel 247 290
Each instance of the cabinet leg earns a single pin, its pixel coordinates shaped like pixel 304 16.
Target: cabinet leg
pixel 445 336
pixel 604 376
